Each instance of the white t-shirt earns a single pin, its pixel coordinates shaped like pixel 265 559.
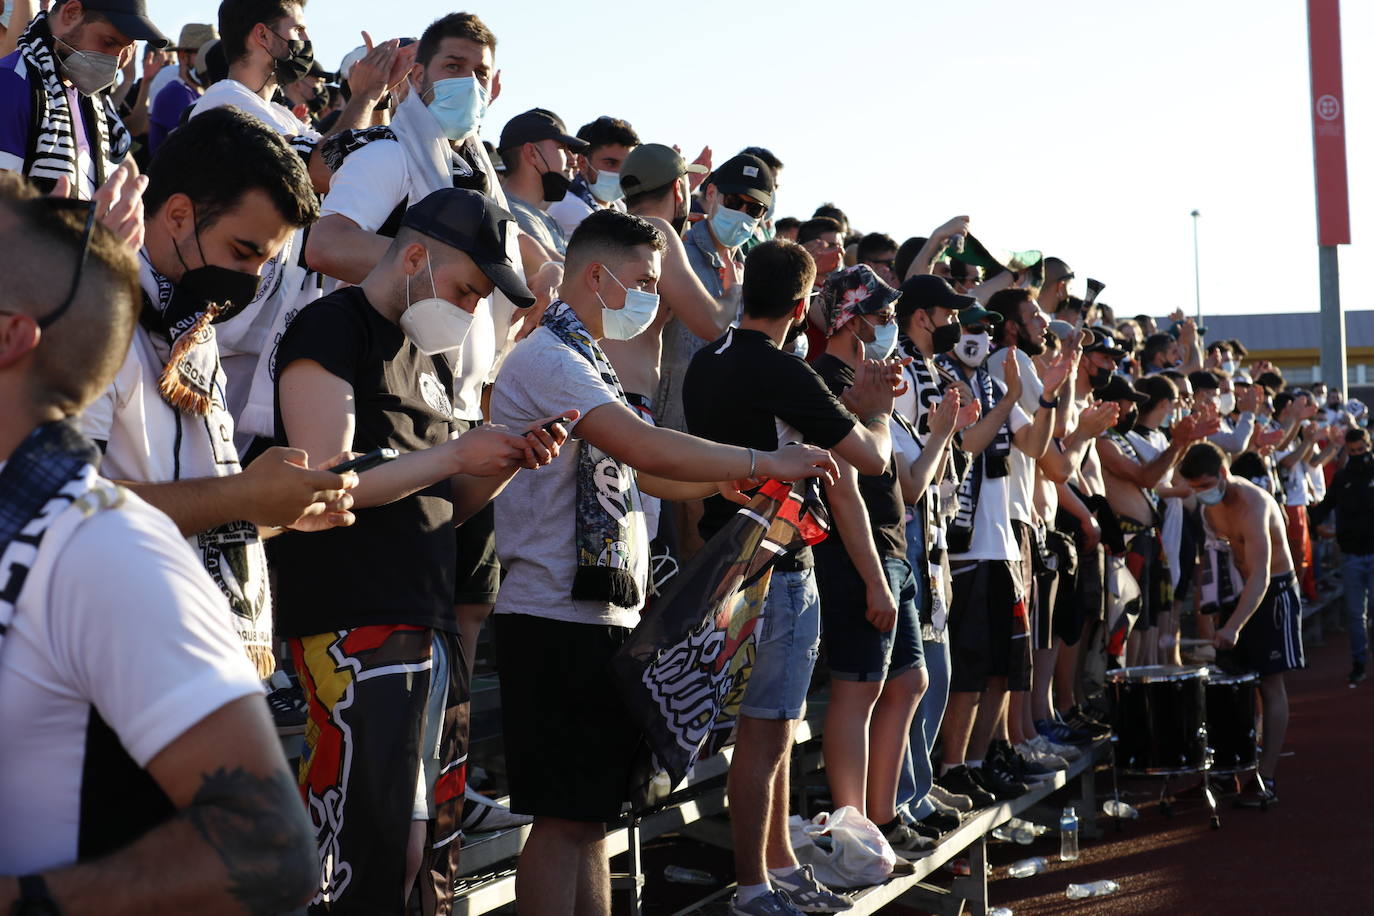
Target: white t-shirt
pixel 278 117
pixel 993 538
pixel 1021 479
pixel 132 630
pixel 366 189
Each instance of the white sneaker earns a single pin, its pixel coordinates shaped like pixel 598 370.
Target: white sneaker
pixel 482 815
pixel 1066 752
pixel 1053 761
pixel 961 803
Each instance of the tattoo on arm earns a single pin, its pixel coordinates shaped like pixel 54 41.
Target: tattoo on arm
pixel 258 826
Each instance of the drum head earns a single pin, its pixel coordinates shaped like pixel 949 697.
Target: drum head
pixel 1147 674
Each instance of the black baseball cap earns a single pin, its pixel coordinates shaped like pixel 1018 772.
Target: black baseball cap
pixel 1104 343
pixel 131 18
pixel 1119 388
pixel 929 292
pixel 477 226
pixel 746 175
pixel 539 124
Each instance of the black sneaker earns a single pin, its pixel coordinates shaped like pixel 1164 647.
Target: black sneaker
pixel 286 700
pixel 1357 673
pixel 1011 760
pixel 940 822
pixel 960 781
pixel 1262 794
pixel 1078 720
pixel 995 778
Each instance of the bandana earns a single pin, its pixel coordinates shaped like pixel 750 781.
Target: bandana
pixel 51 152
pixel 612 560
pixel 992 463
pixel 853 291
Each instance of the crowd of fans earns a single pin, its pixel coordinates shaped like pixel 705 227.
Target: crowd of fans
pixel 561 362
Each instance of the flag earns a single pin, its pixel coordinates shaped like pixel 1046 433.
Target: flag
pixel 684 669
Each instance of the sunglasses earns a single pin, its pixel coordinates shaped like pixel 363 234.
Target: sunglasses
pixel 745 205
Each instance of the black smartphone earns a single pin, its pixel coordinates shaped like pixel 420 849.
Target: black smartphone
pixel 548 427
pixel 365 462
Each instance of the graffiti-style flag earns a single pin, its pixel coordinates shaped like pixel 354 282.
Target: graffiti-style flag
pixel 684 669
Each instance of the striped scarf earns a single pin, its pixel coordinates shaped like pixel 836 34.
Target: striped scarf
pixel 992 462
pixel 51 152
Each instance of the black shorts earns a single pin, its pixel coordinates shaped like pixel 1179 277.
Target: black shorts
pixel 478 576
pixel 569 739
pixel 1271 640
pixel 1084 601
pixel 1056 568
pixel 989 634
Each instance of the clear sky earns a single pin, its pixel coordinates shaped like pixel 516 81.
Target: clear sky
pixel 1084 128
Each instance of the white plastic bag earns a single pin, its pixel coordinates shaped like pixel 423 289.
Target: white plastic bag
pixel 856 854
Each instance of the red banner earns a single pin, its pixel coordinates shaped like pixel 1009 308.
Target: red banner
pixel 1328 122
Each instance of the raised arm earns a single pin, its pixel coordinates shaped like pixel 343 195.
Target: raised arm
pixel 703 315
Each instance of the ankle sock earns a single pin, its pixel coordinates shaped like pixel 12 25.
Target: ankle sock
pixel 786 872
pixel 973 764
pixel 746 892
pixel 890 824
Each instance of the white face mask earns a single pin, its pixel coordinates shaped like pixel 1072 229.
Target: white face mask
pixel 632 320
pixel 973 349
pixel 606 188
pixel 1229 366
pixel 1226 402
pixel 1213 496
pixel 434 325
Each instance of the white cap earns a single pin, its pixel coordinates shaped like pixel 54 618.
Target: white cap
pixel 351 58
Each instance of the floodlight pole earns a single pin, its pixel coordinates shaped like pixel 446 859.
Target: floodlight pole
pixel 1197 270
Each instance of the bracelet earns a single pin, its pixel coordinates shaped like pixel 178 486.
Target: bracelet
pixel 1048 405
pixel 753 462
pixel 876 418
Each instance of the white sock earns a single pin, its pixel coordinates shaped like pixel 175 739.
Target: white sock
pixel 785 872
pixel 973 763
pixel 746 892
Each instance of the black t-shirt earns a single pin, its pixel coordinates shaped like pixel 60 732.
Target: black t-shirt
pixel 882 494
pixel 395 564
pixel 743 390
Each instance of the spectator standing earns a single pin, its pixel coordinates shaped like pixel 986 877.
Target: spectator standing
pixel 539 155
pixel 597 182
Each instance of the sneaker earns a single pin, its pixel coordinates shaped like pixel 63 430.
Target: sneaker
pixel 1261 794
pixel 1078 718
pixel 1061 733
pixel 960 780
pixel 286 700
pixel 773 903
pixel 940 807
pixel 809 895
pixel 1046 746
pixel 941 822
pixel 942 796
pixel 997 780
pixel 1021 768
pixel 1053 761
pixel 1357 673
pixel 482 815
pixel 907 842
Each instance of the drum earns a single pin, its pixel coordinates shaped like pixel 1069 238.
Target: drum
pixel 1231 708
pixel 1159 714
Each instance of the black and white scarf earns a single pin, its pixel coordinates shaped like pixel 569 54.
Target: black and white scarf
pixel 612 558
pixel 51 151
pixel 993 462
pixel 53 469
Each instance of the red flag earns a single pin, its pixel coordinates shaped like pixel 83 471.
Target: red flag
pixel 1328 122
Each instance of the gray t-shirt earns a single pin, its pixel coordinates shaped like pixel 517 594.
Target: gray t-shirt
pixel 537 224
pixel 536 514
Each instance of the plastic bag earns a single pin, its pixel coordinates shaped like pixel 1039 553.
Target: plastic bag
pixel 844 848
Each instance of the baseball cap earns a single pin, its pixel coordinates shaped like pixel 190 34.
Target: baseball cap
pixel 477 226
pixel 539 124
pixel 975 314
pixel 746 175
pixel 1119 388
pixel 1203 379
pixel 1104 343
pixel 131 18
pixel 349 59
pixel 195 35
pixel 853 291
pixel 929 292
pixel 650 166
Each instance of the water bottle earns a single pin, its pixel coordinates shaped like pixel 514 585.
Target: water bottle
pixel 680 875
pixel 1119 809
pixel 1068 835
pixel 1096 889
pixel 1000 911
pixel 1026 867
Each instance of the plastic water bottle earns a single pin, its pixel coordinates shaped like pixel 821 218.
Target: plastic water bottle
pixel 1000 911
pixel 1026 867
pixel 1119 809
pixel 1096 889
pixel 679 875
pixel 1068 835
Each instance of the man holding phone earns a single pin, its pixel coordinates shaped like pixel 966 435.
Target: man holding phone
pixel 369 609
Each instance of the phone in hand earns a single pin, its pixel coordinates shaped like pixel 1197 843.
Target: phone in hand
pixel 365 462
pixel 548 427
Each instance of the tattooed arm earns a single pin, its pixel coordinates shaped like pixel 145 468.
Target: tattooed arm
pixel 239 843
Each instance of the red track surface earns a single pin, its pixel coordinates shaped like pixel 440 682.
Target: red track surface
pixel 1313 854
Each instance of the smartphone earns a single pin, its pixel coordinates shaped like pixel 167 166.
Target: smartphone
pixel 548 427
pixel 365 462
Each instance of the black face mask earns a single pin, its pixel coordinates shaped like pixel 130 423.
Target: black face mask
pixel 943 338
pixel 1127 422
pixel 556 186
pixel 231 290
pixel 794 332
pixel 296 64
pixel 1098 378
pixel 317 102
pixel 1364 464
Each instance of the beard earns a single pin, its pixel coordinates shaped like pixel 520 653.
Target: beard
pixel 1029 346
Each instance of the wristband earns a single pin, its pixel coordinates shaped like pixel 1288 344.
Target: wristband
pixel 876 418
pixel 1048 405
pixel 753 462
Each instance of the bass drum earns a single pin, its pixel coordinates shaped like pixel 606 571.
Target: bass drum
pixel 1231 707
pixel 1159 715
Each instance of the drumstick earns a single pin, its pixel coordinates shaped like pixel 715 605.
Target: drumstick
pixel 1167 642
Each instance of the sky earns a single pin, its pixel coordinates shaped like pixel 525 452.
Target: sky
pixel 1088 130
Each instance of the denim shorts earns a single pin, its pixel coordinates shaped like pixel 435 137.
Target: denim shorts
pixel 788 642
pixel 855 649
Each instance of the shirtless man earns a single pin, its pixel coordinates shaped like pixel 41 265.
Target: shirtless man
pixel 1265 629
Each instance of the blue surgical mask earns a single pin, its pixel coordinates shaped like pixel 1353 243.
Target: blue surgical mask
pixel 632 320
pixel 606 188
pixel 1213 496
pixel 732 228
pixel 883 342
pixel 458 105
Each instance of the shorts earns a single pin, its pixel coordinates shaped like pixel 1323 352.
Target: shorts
pixel 1271 640
pixel 1149 567
pixel 856 650
pixel 478 575
pixel 1056 569
pixel 788 641
pixel 1027 568
pixel 1085 601
pixel 570 742
pixel 989 634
